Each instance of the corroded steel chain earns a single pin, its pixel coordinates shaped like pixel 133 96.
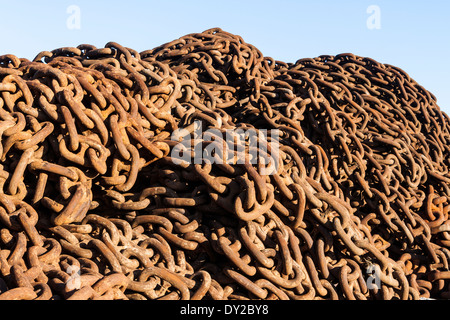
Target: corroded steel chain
pixel 93 204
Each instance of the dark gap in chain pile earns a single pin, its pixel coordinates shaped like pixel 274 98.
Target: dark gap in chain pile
pixel 92 205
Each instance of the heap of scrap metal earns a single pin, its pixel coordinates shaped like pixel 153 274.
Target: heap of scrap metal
pixel 94 204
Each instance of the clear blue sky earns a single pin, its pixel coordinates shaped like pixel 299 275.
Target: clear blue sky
pixel 414 35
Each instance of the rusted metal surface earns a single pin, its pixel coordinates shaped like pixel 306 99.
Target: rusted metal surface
pixel 92 205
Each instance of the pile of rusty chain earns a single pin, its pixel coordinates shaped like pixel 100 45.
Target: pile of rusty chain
pixel 93 204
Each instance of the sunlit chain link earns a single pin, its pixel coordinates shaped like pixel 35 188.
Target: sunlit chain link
pixel 352 203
